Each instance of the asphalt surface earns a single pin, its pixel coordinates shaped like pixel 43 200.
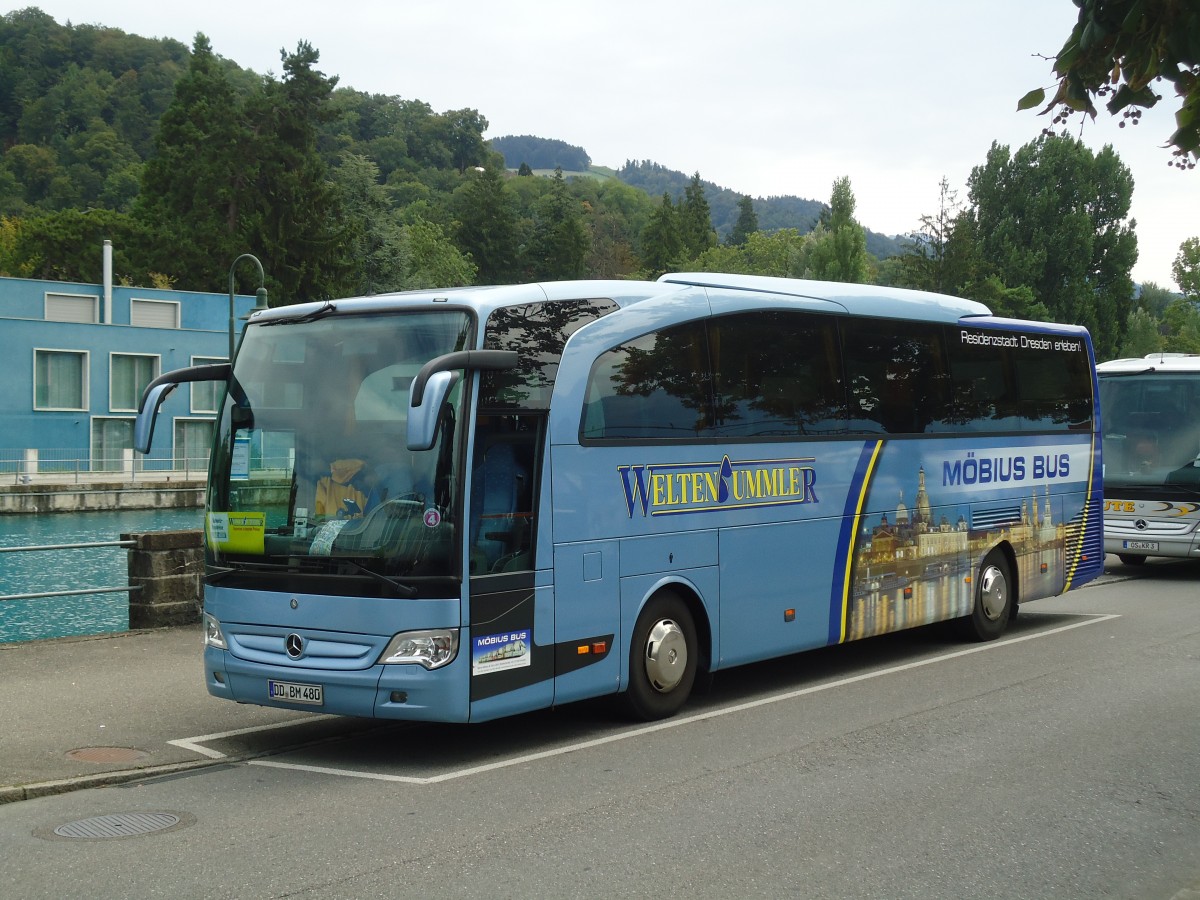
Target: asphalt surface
pixel 83 712
pixel 88 711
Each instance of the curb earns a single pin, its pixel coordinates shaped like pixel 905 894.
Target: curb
pixel 19 792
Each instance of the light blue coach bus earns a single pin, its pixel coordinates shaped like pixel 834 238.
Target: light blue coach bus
pixel 458 505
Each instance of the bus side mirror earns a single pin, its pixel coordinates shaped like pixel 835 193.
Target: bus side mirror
pixel 143 426
pixel 160 388
pixel 423 420
pixel 432 384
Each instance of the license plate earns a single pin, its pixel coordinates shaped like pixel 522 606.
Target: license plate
pixel 1140 545
pixel 291 692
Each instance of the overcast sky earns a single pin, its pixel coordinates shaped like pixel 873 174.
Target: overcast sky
pixel 765 97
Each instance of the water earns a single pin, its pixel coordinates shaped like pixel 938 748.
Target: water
pixel 65 570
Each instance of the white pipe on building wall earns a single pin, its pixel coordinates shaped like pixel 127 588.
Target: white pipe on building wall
pixel 108 278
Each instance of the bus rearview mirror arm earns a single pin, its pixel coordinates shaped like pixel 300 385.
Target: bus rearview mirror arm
pixel 432 385
pixel 161 387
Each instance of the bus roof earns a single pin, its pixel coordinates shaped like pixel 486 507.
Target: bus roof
pixel 483 299
pixel 859 299
pixel 1150 363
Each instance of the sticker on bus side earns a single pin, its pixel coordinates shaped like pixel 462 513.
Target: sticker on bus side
pixel 499 652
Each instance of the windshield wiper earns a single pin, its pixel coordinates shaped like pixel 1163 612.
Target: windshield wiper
pixel 1145 371
pixel 325 309
pixel 311 565
pixel 404 590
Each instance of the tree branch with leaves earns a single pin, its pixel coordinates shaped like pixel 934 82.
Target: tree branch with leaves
pixel 1118 51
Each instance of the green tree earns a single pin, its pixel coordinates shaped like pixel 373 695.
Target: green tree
pixel 746 224
pixel 779 254
pixel 298 222
pixel 487 225
pixel 1141 335
pixel 433 260
pixel 200 182
pixel 559 241
pixel 1182 324
pixel 1014 302
pixel 67 245
pixel 615 214
pixel 1186 268
pixel 838 248
pixel 462 131
pixel 1117 50
pixel 373 236
pixel 1154 299
pixel 1052 217
pixel 695 219
pixel 661 240
pixel 932 260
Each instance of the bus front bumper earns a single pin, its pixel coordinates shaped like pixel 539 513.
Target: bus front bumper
pixel 408 691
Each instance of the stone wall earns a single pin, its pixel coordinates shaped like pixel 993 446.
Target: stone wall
pixel 17 499
pixel 167 570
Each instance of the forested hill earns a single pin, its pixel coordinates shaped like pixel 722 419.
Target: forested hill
pixel 175 153
pixel 774 213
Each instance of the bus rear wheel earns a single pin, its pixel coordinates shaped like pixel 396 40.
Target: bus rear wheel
pixel 662 659
pixel 995 600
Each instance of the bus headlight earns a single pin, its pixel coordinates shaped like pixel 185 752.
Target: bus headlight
pixel 432 649
pixel 213 637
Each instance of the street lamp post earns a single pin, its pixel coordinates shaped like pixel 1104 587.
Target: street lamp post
pixel 260 296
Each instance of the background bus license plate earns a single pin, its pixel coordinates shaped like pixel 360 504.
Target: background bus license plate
pixel 1140 545
pixel 290 692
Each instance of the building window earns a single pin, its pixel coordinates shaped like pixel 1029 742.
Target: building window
pixel 60 379
pixel 206 395
pixel 129 374
pixel 193 441
pixel 110 439
pixel 82 308
pixel 154 313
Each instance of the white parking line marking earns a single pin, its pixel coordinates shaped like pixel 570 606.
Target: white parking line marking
pixel 669 723
pixel 193 743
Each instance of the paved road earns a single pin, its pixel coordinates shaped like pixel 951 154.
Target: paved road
pixel 1061 762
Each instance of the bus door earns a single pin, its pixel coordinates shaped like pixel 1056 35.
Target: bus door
pixel 511 643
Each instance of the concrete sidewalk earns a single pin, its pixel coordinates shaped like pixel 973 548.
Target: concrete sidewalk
pixel 87 711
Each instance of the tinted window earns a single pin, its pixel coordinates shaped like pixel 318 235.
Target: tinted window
pixel 538 332
pixel 776 373
pixel 985 391
pixel 1015 381
pixel 657 386
pixel 896 376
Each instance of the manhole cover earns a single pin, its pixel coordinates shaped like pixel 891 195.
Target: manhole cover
pixel 106 754
pixel 122 825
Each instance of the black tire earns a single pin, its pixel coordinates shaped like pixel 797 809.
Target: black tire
pixel 663 656
pixel 1132 559
pixel 995 600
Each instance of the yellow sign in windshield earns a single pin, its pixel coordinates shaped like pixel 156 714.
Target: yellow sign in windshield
pixel 240 532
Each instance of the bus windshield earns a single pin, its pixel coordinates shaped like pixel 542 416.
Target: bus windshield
pixel 311 473
pixel 1151 429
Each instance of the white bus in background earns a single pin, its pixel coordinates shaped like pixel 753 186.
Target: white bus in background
pixel 1150 416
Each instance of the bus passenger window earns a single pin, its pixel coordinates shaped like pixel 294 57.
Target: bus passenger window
pixel 776 373
pixel 656 386
pixel 897 376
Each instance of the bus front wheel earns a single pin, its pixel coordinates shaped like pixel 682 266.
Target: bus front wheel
pixel 995 600
pixel 662 659
pixel 1132 559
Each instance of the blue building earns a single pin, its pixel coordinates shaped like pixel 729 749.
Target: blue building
pixel 77 358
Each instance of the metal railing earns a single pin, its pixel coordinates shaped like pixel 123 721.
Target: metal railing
pixel 73 593
pixel 57 466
